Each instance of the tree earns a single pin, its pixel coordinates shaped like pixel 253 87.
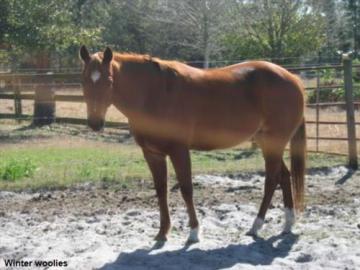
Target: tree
pixel 4 20
pixel 195 26
pixel 277 29
pixel 353 23
pixel 201 30
pixel 4 30
pixel 126 30
pixel 43 27
pixel 40 29
pixel 331 11
pixel 331 30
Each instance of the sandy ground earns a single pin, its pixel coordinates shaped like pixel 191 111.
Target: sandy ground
pixel 107 227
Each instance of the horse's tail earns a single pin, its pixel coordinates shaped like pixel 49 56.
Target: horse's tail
pixel 298 156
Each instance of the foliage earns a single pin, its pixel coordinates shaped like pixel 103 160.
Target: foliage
pixel 125 29
pixel 275 29
pixel 356 71
pixel 38 28
pixel 205 30
pixel 4 23
pixel 327 95
pixel 331 77
pixel 352 33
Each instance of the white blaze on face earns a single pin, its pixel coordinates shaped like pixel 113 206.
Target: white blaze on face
pixel 95 76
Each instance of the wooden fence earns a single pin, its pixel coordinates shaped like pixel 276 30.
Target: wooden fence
pixel 19 87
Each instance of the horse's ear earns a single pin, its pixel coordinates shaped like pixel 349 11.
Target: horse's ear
pixel 84 54
pixel 108 55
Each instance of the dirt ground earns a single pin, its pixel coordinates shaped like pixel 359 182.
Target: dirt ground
pixel 97 226
pixel 90 198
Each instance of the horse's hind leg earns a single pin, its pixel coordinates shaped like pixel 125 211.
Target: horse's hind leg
pixel 272 149
pixel 157 165
pixel 285 185
pixel 180 158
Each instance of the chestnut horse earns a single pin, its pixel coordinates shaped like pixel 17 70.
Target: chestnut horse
pixel 172 108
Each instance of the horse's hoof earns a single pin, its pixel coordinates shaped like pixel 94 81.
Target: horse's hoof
pixel 287 228
pixel 160 238
pixel 285 232
pixel 257 225
pixel 190 242
pixel 251 233
pixel 193 236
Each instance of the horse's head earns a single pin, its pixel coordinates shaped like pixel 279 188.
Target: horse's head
pixel 97 81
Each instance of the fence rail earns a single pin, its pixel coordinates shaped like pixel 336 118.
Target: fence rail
pixel 20 87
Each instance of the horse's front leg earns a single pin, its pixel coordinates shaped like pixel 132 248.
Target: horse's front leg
pixel 157 165
pixel 271 181
pixel 180 158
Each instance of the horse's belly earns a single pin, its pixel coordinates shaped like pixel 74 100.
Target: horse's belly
pixel 210 139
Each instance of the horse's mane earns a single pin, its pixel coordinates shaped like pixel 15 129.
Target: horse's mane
pixel 168 69
pixel 169 65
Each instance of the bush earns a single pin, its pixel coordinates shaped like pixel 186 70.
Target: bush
pixel 16 169
pixel 331 77
pixel 356 71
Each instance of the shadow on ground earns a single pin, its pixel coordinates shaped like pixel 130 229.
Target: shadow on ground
pixel 346 177
pixel 30 132
pixel 22 134
pixel 328 170
pixel 259 252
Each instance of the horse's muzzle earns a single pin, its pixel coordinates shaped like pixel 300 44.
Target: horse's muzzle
pixel 96 125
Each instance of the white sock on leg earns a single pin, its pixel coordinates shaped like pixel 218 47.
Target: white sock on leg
pixel 257 225
pixel 194 235
pixel 289 219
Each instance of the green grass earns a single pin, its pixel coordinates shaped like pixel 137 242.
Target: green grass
pixel 16 169
pixel 61 167
pixel 57 167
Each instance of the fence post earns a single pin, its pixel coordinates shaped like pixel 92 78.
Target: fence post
pixel 317 109
pixel 17 100
pixel 44 104
pixel 350 116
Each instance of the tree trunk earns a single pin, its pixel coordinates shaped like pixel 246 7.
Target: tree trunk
pixel 206 38
pixel 207 57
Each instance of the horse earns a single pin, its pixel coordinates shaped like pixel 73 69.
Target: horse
pixel 173 108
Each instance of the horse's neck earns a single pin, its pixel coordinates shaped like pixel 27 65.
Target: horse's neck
pixel 139 84
pixel 130 91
